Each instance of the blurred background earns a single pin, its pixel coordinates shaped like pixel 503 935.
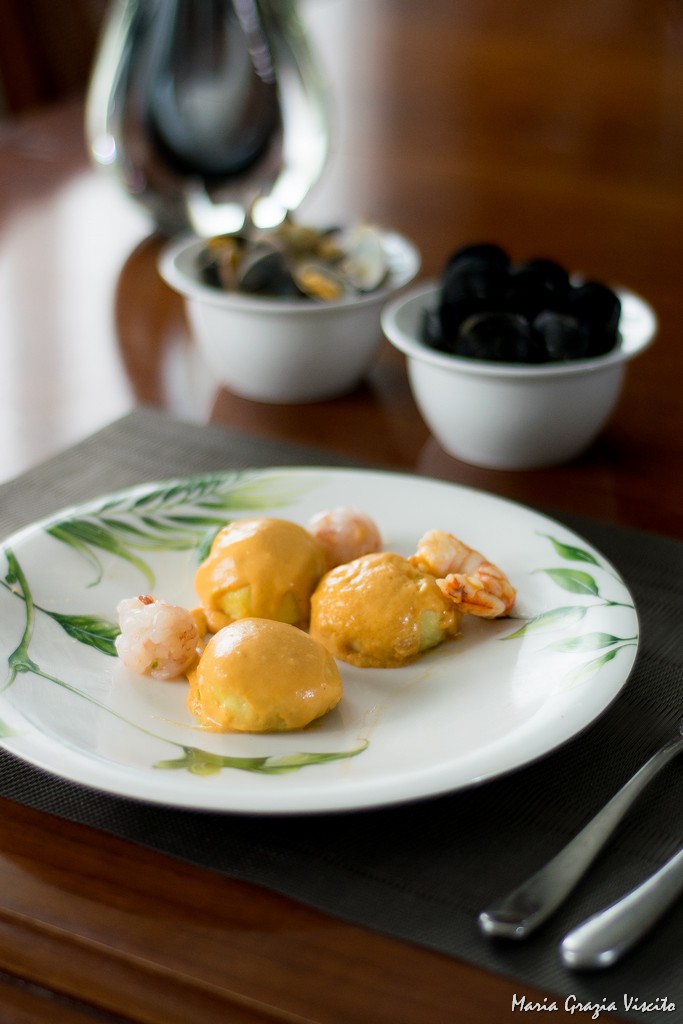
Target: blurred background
pixel 46 50
pixel 554 129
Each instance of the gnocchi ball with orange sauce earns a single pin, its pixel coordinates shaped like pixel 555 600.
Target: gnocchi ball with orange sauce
pixel 379 611
pixel 264 567
pixel 260 675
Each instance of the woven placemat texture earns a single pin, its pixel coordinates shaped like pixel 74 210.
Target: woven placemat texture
pixel 419 872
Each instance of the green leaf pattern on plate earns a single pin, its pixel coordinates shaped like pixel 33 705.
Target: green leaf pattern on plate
pixel 162 517
pixel 565 617
pixel 556 618
pixel 201 762
pixel 174 516
pixel 573 580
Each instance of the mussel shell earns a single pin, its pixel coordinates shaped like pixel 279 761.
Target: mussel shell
pixel 264 270
pixel 365 264
pixel 319 281
pixel 220 258
pixel 300 240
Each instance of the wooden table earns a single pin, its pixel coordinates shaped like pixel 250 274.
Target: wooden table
pixel 552 129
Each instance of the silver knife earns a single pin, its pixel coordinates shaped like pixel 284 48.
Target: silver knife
pixel 603 938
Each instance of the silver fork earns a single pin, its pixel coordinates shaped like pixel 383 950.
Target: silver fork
pixel 518 914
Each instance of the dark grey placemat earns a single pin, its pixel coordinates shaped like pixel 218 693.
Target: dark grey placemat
pixel 420 872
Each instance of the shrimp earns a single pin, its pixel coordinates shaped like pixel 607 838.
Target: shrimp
pixel 478 586
pixel 156 639
pixel 344 534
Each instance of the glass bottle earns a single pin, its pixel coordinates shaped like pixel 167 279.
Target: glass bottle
pixel 208 110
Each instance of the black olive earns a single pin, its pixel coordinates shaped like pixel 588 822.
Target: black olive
pixel 489 308
pixel 556 276
pixel 598 309
pixel 473 281
pixel 563 336
pixel 535 286
pixel 432 330
pixel 453 313
pixel 468 286
pixel 487 253
pixel 501 337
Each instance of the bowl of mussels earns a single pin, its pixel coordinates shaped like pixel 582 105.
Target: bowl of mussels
pixel 290 314
pixel 516 365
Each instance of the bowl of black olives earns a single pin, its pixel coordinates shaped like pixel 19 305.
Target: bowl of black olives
pixel 516 365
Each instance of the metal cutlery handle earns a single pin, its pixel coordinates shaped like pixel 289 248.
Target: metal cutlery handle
pixel 531 903
pixel 605 936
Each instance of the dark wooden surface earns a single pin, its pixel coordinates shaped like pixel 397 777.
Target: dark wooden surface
pixel 552 129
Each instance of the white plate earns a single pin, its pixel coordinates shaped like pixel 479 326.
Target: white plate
pixel 505 694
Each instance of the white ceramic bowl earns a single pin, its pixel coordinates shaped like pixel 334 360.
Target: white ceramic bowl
pixel 505 416
pixel 285 350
